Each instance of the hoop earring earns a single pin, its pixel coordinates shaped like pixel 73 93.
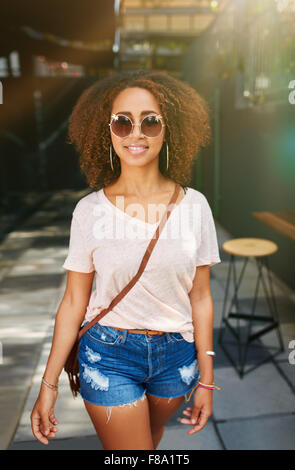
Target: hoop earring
pixel 111 157
pixel 167 156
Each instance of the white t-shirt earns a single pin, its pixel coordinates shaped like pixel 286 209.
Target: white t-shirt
pixel 105 239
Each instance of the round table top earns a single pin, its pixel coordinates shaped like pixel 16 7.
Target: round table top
pixel 250 247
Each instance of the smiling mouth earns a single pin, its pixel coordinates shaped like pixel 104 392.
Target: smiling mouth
pixel 136 147
pixel 136 150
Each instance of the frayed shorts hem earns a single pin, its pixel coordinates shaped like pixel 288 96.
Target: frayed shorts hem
pixel 117 404
pixel 171 397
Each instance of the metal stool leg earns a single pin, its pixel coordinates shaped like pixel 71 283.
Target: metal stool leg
pixel 271 300
pixel 272 319
pixel 248 340
pixel 235 301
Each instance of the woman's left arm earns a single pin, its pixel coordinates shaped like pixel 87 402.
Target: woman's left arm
pixel 203 320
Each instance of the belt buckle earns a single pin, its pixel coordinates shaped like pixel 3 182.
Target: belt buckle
pixel 148 332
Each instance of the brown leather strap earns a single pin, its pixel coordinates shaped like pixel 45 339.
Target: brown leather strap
pixel 144 261
pixel 143 332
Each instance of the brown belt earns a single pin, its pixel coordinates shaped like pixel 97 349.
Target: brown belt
pixel 143 332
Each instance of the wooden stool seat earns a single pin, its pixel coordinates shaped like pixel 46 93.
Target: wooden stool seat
pixel 250 247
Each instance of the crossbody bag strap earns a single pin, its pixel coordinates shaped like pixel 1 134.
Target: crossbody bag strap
pixel 143 264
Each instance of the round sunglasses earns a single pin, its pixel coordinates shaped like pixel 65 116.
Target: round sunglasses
pixel 122 126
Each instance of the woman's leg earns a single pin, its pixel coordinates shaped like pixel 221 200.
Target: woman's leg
pixel 161 410
pixel 128 427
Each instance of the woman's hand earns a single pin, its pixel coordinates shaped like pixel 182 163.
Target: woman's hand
pixel 43 420
pixel 201 412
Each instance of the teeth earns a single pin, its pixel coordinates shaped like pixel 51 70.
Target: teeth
pixel 136 148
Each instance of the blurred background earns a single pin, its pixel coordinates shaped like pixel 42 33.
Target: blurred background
pixel 240 56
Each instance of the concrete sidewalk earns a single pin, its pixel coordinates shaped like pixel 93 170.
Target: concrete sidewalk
pixel 257 412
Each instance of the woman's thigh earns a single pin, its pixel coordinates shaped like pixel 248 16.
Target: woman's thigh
pixel 129 427
pixel 161 410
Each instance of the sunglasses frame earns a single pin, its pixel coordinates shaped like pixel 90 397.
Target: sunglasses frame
pixel 158 117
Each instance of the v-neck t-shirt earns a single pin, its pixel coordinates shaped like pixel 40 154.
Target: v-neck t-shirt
pixel 107 240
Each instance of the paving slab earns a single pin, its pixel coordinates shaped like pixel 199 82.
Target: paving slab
pixel 262 391
pixel 176 438
pixel 81 443
pixel 11 406
pixel 260 433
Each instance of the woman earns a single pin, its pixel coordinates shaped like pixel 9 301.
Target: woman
pixel 137 134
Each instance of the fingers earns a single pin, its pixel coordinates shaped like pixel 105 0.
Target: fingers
pixel 53 419
pixel 45 425
pixel 199 421
pixel 42 428
pixel 187 411
pixel 36 423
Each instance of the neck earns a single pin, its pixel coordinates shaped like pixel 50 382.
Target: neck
pixel 142 184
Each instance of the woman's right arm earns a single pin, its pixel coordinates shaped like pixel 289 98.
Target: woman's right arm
pixel 69 317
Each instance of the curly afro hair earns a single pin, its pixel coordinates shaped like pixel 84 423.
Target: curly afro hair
pixel 185 113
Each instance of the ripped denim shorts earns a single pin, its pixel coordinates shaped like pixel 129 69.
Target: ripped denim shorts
pixel 118 367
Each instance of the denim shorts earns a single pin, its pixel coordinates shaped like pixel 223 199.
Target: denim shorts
pixel 118 367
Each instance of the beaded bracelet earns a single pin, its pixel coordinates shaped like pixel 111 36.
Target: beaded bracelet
pixel 208 387
pixel 52 387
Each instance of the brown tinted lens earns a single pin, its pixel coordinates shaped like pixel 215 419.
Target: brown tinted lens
pixel 121 126
pixel 151 126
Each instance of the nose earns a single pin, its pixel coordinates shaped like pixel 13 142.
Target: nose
pixel 137 130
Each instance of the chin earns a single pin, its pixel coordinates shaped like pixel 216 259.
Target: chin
pixel 134 162
pixel 143 159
